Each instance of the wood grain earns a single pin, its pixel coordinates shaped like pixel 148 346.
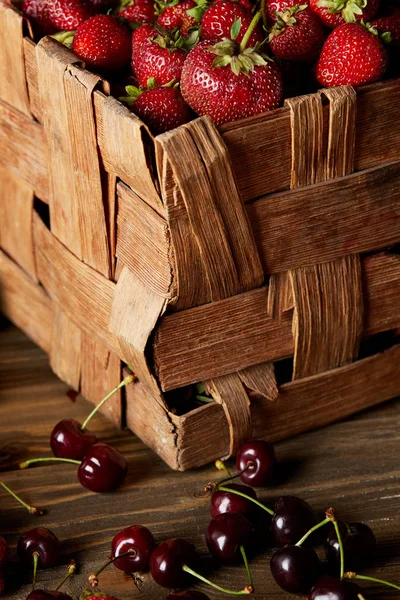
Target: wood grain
pixel 65 352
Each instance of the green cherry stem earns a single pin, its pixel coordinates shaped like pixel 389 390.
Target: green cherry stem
pixel 35 557
pixel 225 489
pixel 330 514
pixel 246 566
pixel 221 466
pixel 360 597
pixel 352 575
pixel 32 510
pixel 251 28
pixel 71 571
pixel 129 379
pixel 32 461
pixel 310 531
pixel 94 578
pixel 235 476
pixel 247 590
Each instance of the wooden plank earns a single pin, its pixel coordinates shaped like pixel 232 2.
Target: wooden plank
pixel 65 351
pixel 12 67
pixel 16 213
pixel 143 242
pixel 23 149
pixel 31 71
pixel 25 303
pixel 237 332
pixel 349 215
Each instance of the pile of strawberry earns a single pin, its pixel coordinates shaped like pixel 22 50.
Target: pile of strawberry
pixel 229 59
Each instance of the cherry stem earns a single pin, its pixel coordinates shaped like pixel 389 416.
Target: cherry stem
pixel 231 477
pixel 251 28
pixel 35 557
pixel 225 489
pixel 247 590
pixel 32 461
pixel 129 379
pixel 246 566
pixel 352 575
pixel 71 571
pixel 93 579
pixel 330 514
pixel 32 510
pixel 360 597
pixel 221 466
pixel 310 531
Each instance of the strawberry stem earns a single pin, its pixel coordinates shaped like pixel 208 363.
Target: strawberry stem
pixel 251 28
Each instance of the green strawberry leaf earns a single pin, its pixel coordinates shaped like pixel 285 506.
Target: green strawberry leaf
pixel 64 37
pixel 235 29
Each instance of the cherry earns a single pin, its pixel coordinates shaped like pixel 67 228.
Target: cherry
pixel 47 595
pixel 359 545
pixel 292 518
pixel 103 469
pixel 226 502
pixel 187 595
pixel 295 569
pixel 330 588
pixel 69 440
pixel 167 562
pixel 38 547
pixel 227 535
pixel 257 460
pixel 137 539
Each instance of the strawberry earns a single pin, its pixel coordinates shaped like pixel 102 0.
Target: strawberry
pixel 67 15
pixel 182 15
pixel 230 82
pixel 141 37
pixel 278 6
pixel 162 58
pixel 88 595
pixel 161 108
pixel 219 18
pixel 351 55
pixel 297 34
pixel 388 22
pixel 37 13
pixel 138 12
pixel 336 12
pixel 103 42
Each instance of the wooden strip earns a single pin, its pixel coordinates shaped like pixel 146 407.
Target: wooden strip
pixel 23 149
pixel 101 373
pixel 72 155
pixel 110 192
pixel 261 379
pixel 31 71
pixel 65 352
pixel 228 391
pixel 306 121
pixel 134 314
pixel 125 144
pixel 280 296
pixel 16 212
pixel 342 131
pixel 353 214
pixel 235 333
pixel 25 303
pixel 143 242
pixel 85 295
pixel 12 67
pixel 328 315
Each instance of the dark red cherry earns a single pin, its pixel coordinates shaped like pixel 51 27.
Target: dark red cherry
pixel 225 502
pixel 103 469
pixel 295 568
pixel 359 544
pixel 293 517
pixel 226 533
pixel 47 595
pixel 260 458
pixel 137 539
pixel 167 560
pixel 41 541
pixel 187 595
pixel 68 440
pixel 330 588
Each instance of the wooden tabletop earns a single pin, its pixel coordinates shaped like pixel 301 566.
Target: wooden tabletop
pixel 353 465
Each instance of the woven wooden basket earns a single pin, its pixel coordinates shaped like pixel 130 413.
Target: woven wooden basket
pixel 202 255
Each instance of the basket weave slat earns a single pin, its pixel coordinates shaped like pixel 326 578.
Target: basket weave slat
pixel 65 352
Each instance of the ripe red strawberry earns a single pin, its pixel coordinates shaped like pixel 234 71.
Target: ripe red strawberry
pixel 161 108
pixel 297 34
pixel 389 22
pixel 91 595
pixel 244 85
pixel 67 15
pixel 160 58
pixel 103 42
pixel 37 13
pixel 141 37
pixel 139 12
pixel 336 12
pixel 280 6
pixel 351 55
pixel 218 20
pixel 182 15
